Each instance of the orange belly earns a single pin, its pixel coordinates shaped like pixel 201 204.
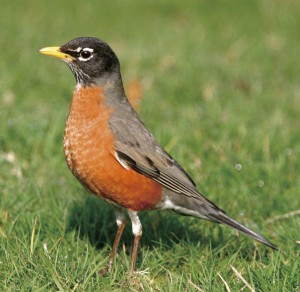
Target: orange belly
pixel 89 151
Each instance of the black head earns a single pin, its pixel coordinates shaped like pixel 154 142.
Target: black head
pixel 90 59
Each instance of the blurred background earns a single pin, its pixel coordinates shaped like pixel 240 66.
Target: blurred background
pixel 219 88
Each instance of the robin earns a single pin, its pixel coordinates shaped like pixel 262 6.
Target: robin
pixel 111 152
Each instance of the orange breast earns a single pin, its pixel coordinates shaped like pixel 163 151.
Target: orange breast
pixel 89 151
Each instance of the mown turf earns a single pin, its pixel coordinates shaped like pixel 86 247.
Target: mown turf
pixel 221 93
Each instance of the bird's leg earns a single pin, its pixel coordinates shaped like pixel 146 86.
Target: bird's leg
pixel 120 219
pixel 137 232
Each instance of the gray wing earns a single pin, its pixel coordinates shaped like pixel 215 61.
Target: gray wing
pixel 136 148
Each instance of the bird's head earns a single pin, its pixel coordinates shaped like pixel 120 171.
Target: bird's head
pixel 90 59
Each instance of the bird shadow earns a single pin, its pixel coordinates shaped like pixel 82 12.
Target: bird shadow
pixel 94 219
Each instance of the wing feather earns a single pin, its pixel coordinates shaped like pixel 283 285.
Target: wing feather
pixel 136 147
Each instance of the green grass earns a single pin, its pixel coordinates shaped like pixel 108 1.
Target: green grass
pixel 221 88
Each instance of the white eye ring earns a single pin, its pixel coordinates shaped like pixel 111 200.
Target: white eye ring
pixel 86 54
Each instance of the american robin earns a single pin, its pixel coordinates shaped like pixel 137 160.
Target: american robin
pixel 109 149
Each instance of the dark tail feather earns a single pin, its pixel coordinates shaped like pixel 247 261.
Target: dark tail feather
pixel 223 218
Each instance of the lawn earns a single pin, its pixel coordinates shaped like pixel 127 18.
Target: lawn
pixel 221 93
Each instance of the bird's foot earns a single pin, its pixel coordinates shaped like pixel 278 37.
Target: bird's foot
pixel 106 269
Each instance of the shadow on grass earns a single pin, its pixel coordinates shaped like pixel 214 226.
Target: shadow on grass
pixel 95 219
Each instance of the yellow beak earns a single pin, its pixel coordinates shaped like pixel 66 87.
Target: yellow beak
pixel 55 52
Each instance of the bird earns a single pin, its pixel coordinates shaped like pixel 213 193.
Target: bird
pixel 111 152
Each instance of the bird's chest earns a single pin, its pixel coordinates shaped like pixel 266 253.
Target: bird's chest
pixel 87 138
pixel 84 142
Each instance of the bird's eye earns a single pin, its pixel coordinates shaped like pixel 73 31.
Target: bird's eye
pixel 85 54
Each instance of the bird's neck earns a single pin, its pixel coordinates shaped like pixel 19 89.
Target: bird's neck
pixel 87 103
pixel 107 81
pixel 104 92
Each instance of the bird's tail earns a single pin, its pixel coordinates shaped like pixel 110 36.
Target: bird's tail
pixel 224 219
pixel 203 208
